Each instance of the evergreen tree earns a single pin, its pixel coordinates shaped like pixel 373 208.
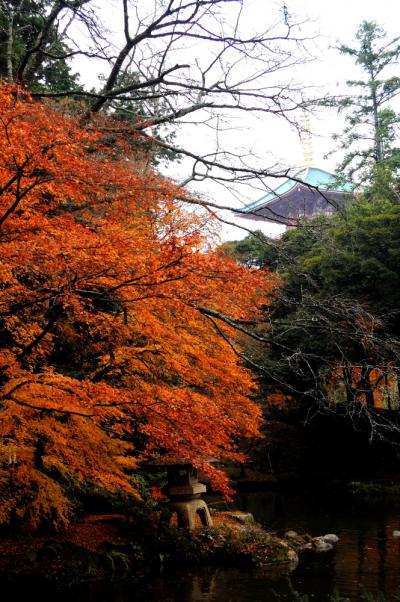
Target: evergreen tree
pixel 369 138
pixel 26 49
pixel 332 338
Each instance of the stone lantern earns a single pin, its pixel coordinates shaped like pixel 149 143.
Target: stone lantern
pixel 184 491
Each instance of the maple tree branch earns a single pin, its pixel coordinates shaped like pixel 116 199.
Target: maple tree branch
pixel 8 184
pixel 49 409
pixel 27 350
pixel 21 194
pixel 245 358
pixel 136 280
pixel 15 388
pixel 236 324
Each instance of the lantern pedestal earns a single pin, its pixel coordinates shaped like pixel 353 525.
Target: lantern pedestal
pixel 187 511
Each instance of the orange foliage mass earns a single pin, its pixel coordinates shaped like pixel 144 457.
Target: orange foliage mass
pixel 107 355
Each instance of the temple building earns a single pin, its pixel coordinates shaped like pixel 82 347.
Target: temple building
pixel 310 192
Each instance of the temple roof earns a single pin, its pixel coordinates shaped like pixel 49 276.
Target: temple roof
pixel 310 176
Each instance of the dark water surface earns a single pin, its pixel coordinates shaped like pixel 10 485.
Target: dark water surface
pixel 367 557
pixel 366 560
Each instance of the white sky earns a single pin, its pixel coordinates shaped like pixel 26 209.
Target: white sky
pixel 334 22
pixel 272 140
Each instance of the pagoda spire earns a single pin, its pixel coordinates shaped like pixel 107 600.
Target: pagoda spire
pixel 307 140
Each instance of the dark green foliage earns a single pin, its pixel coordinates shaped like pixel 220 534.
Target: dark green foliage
pixel 359 256
pixel 370 136
pixel 21 23
pixel 335 327
pixel 354 255
pixel 144 105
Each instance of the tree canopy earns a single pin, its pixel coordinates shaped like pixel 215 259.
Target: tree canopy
pixel 334 343
pixel 164 64
pixel 111 312
pixel 369 138
pixel 33 24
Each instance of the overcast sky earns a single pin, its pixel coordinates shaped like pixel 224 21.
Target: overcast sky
pixel 271 140
pixel 333 22
pixel 336 22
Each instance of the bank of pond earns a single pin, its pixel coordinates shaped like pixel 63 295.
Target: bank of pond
pixel 227 563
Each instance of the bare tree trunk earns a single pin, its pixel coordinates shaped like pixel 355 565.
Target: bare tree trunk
pixel 10 40
pixel 367 386
pixel 389 397
pixel 33 57
pixel 9 47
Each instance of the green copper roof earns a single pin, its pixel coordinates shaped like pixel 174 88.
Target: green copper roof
pixel 311 176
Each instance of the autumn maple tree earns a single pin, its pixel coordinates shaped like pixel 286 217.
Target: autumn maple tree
pixel 116 318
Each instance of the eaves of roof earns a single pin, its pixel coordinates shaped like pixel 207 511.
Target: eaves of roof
pixel 310 176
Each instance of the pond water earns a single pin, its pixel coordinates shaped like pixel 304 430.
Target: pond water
pixel 366 560
pixel 365 563
pixel 367 557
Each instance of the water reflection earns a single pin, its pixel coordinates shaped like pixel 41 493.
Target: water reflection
pixel 367 559
pixel 219 585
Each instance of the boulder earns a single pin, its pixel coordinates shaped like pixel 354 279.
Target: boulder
pixel 291 534
pixel 244 518
pixel 331 538
pixel 320 545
